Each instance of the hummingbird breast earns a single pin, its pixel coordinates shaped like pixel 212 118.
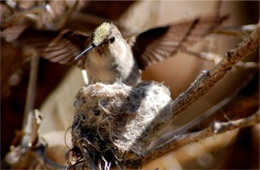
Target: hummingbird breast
pixel 112 63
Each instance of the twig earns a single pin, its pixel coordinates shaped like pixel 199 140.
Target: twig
pixel 183 139
pixel 36 121
pixel 201 118
pixel 208 56
pixel 213 129
pixel 28 115
pixel 33 153
pixel 13 19
pixel 247 65
pixel 227 105
pixel 67 15
pixel 240 31
pixel 208 79
pixel 198 88
pixel 216 58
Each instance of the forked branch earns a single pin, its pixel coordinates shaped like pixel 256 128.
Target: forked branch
pixel 213 129
pixel 205 81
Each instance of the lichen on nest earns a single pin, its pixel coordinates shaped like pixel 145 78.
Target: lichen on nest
pixel 113 120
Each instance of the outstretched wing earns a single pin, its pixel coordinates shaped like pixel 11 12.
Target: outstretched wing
pixel 61 47
pixel 159 43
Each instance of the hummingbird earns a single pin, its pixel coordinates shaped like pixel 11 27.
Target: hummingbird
pixel 108 57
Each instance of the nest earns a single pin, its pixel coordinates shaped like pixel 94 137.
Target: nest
pixel 114 120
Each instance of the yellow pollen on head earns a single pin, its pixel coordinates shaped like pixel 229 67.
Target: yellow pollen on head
pixel 101 33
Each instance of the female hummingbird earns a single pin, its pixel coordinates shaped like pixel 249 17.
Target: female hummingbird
pixel 108 57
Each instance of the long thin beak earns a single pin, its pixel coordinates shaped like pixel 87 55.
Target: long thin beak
pixel 83 52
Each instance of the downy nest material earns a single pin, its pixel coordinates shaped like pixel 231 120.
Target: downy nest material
pixel 113 120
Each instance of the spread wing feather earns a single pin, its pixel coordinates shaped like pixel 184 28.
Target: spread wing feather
pixel 61 47
pixel 159 43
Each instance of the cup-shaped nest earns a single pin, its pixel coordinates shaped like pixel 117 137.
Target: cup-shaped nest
pixel 112 120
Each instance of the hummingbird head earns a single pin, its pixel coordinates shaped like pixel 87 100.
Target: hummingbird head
pixel 103 34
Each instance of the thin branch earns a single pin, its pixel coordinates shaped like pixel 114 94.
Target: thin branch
pixel 34 150
pixel 208 79
pixel 36 121
pixel 247 65
pixel 213 129
pixel 28 115
pixel 198 88
pixel 216 58
pixel 67 15
pixel 208 56
pixel 240 31
pixel 201 118
pixel 183 139
pixel 228 107
pixel 19 15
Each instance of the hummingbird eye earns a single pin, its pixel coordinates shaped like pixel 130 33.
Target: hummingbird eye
pixel 111 40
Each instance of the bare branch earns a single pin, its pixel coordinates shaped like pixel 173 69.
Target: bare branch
pixel 36 121
pixel 16 17
pixel 201 118
pixel 208 79
pixel 183 139
pixel 247 65
pixel 34 152
pixel 213 129
pixel 247 106
pixel 27 120
pixel 216 58
pixel 198 88
pixel 208 56
pixel 240 31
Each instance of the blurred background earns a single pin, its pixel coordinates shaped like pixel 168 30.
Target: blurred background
pixel 58 84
